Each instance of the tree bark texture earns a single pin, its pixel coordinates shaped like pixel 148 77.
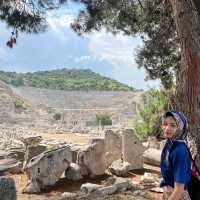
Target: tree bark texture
pixel 187 19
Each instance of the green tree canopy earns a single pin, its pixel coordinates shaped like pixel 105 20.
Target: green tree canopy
pixel 103 120
pixel 26 15
pixel 64 79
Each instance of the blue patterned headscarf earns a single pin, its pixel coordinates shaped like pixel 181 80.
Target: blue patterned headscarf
pixel 181 122
pixel 180 135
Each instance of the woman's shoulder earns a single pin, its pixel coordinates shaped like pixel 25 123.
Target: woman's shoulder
pixel 180 148
pixel 180 156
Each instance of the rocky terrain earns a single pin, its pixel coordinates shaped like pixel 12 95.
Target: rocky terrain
pixel 41 158
pixel 92 165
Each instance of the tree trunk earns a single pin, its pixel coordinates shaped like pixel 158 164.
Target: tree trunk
pixel 187 21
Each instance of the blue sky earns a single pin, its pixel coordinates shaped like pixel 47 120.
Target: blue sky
pixel 60 47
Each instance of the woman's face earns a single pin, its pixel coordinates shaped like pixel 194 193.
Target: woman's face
pixel 169 127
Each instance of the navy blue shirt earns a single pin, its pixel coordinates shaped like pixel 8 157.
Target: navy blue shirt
pixel 177 168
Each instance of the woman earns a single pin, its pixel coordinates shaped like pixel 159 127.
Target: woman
pixel 175 159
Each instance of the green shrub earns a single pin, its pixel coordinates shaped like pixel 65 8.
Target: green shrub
pixel 57 116
pixel 19 103
pixel 17 82
pixel 56 194
pixel 128 197
pixel 108 197
pixel 155 102
pixel 103 120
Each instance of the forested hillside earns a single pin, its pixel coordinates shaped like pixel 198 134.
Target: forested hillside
pixel 64 79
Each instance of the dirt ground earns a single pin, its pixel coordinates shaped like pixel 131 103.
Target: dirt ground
pixel 64 185
pixel 68 137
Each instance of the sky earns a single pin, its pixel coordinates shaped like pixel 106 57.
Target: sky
pixel 60 47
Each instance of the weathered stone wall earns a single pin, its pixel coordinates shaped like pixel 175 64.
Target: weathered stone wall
pixel 113 146
pixel 132 149
pixel 123 144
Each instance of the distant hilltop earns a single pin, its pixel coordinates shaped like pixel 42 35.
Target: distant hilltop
pixel 64 79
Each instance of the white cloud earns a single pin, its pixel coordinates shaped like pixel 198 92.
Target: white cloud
pixel 82 58
pixel 118 51
pixel 115 49
pixel 59 24
pixel 60 21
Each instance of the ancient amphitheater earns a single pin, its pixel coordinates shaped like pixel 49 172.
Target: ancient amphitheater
pixel 79 108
